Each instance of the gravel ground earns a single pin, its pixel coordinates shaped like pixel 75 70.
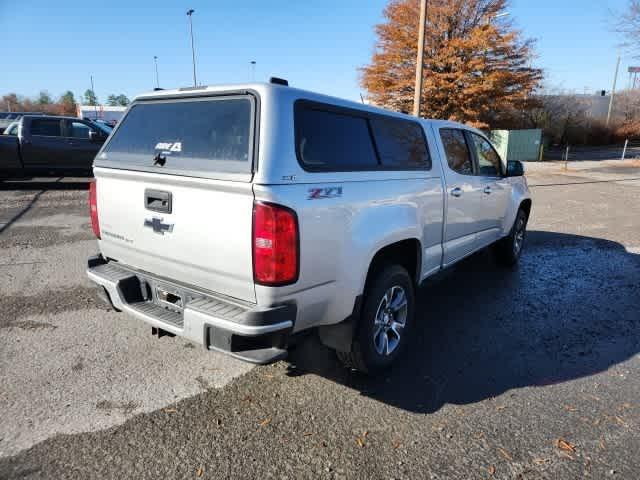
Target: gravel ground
pixel 67 364
pixel 525 373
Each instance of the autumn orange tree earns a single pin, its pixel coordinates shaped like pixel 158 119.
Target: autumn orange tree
pixel 476 65
pixel 65 105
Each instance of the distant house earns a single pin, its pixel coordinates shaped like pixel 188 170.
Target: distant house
pixel 101 112
pixel 597 105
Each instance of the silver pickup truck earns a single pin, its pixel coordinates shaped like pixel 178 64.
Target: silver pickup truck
pixel 238 216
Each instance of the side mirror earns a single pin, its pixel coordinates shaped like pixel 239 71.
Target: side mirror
pixel 515 168
pixel 94 136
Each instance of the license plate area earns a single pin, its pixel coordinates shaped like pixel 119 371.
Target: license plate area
pixel 169 298
pixel 166 295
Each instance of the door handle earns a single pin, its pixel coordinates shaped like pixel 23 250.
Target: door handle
pixel 456 192
pixel 158 201
pixel 487 189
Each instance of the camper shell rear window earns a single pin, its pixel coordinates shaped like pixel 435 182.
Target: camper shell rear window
pixel 196 136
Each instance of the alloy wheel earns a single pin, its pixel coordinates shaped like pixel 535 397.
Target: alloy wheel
pixel 390 320
pixel 518 237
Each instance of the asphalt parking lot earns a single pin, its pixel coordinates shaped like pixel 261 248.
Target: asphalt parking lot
pixel 525 373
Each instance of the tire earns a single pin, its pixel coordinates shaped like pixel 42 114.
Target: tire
pixel 509 249
pixel 383 332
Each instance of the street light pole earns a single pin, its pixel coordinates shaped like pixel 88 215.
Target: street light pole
pixel 155 61
pixel 253 70
pixel 193 50
pixel 613 91
pixel 95 107
pixel 417 95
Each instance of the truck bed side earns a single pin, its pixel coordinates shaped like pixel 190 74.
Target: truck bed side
pixel 10 158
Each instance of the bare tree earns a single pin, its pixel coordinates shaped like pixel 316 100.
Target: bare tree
pixel 628 26
pixel 628 106
pixel 560 115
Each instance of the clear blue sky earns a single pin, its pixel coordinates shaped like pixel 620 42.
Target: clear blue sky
pixel 317 45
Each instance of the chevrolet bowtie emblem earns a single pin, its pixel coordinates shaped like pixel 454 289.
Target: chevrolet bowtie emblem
pixel 157 225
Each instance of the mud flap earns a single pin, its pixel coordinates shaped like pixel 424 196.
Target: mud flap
pixel 340 335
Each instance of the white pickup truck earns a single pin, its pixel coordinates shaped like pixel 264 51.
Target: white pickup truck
pixel 238 216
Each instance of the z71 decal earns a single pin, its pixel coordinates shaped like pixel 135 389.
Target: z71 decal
pixel 324 192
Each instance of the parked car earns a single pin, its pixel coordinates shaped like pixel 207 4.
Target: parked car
pixel 106 124
pixel 50 145
pixel 103 123
pixel 239 216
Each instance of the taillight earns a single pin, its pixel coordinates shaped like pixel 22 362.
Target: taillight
pixel 93 208
pixel 275 245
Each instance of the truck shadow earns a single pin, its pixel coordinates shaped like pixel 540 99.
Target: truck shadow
pixel 570 310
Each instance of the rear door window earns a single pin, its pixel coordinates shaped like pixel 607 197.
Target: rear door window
pixel 456 150
pixel 191 136
pixel 401 143
pixel 333 141
pixel 46 127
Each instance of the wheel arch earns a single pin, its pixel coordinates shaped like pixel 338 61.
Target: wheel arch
pixel 520 198
pixel 406 253
pixel 526 206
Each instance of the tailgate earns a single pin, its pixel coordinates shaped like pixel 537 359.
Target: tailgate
pixel 174 190
pixel 205 241
pixel 9 152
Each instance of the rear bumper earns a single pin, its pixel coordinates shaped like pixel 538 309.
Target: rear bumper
pixel 246 331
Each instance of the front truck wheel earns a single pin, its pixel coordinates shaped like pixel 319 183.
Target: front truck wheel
pixel 385 323
pixel 509 248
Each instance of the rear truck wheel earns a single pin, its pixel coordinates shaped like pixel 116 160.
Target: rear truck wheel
pixel 509 248
pixel 385 323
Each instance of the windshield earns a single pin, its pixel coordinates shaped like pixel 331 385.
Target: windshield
pixel 195 135
pixel 103 127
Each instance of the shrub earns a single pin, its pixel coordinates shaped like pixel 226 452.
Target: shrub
pixel 628 130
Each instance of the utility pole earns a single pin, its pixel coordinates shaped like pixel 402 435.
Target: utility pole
pixel 417 96
pixel 95 106
pixel 613 91
pixel 155 61
pixel 193 50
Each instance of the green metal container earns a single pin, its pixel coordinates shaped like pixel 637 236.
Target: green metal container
pixel 523 145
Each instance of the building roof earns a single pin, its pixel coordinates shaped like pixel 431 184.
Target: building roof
pixel 104 108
